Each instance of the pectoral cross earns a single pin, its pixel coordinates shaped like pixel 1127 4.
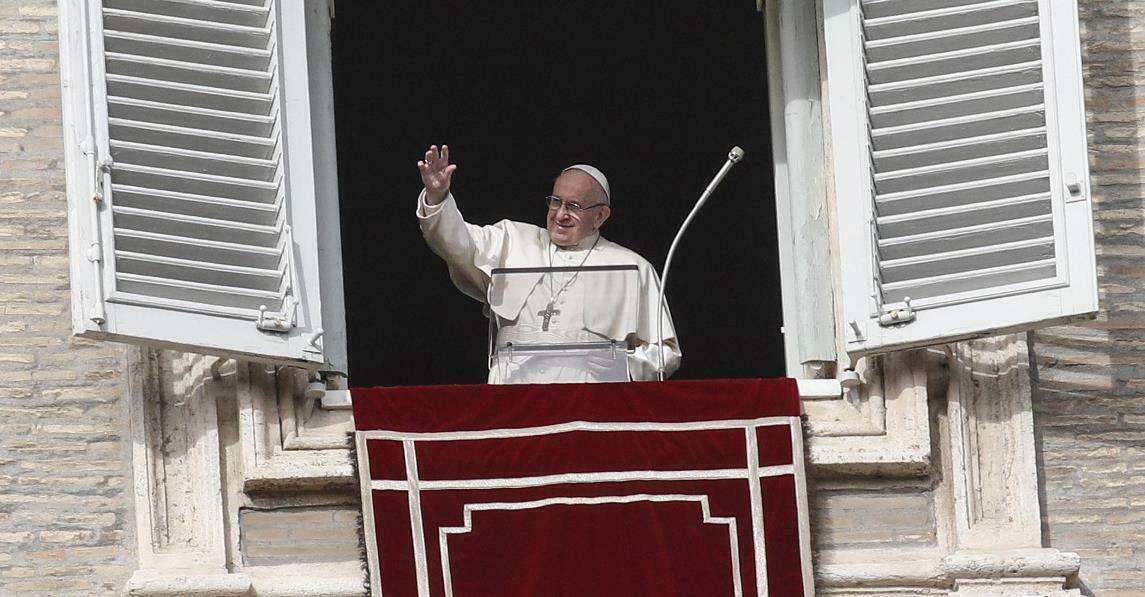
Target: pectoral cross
pixel 548 313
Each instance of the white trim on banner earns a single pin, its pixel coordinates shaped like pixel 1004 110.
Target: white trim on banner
pixel 803 511
pixel 582 478
pixel 421 563
pixel 752 474
pixel 757 511
pixel 733 538
pixel 576 426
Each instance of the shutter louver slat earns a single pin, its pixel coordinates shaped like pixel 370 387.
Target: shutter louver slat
pixel 183 94
pixel 196 205
pixel 140 44
pixel 908 19
pixel 195 117
pixel 931 154
pixel 173 245
pixel 966 238
pixel 194 134
pixel 884 8
pixel 969 60
pixel 140 17
pixel 960 162
pixel 149 133
pixel 964 171
pixel 188 160
pixel 1013 75
pixel 962 216
pixel 952 40
pixel 197 271
pixel 896 270
pixel 1025 96
pixel 962 194
pixel 192 182
pixel 948 129
pixel 153 287
pixel 202 10
pixel 189 73
pixel 196 227
pixel 974 280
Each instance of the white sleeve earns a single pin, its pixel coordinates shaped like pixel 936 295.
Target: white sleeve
pixel 458 243
pixel 643 364
pixel 425 210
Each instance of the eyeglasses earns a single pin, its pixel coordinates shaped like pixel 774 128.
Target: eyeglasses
pixel 573 207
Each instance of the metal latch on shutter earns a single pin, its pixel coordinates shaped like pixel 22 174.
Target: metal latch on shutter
pixel 1074 187
pixel 898 316
pixel 284 321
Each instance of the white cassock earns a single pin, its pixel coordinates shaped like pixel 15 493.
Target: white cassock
pixel 473 252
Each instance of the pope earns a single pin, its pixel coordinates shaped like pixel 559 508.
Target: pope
pixel 556 306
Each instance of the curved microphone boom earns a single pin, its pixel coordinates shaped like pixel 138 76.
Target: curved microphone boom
pixel 734 156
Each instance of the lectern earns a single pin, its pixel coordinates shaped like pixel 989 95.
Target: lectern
pixel 562 324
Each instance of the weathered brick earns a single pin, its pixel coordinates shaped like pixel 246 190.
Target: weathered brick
pixel 94 520
pixel 63 466
pixel 27 65
pixel 13 376
pixel 14 26
pixel 71 537
pixel 38 10
pixel 49 586
pixel 1088 411
pixel 292 535
pixel 20 358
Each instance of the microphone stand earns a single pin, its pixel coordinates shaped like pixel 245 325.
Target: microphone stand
pixel 734 156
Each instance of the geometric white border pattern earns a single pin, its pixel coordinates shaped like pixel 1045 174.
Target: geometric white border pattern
pixel 445 532
pixel 751 473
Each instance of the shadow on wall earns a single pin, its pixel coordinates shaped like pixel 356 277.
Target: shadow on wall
pixel 1088 379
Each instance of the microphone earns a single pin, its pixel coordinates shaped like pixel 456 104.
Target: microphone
pixel 734 157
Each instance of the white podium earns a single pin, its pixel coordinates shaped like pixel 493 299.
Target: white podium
pixel 562 324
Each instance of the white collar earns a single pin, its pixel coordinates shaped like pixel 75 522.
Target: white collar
pixel 584 244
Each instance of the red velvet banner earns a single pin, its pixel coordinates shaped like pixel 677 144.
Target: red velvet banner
pixel 666 489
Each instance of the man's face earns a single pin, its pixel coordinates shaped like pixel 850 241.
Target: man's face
pixel 568 227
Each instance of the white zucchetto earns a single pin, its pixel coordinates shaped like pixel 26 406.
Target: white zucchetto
pixel 597 175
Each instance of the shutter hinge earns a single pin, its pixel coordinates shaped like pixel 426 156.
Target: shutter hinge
pixel 98 313
pixel 95 252
pixel 314 342
pixel 898 316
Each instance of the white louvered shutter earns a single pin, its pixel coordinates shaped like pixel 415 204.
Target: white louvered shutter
pixel 959 149
pixel 190 181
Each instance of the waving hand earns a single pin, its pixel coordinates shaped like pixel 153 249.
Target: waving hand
pixel 436 173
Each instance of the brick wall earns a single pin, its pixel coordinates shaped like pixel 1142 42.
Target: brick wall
pixel 300 535
pixel 1089 396
pixel 64 483
pixel 854 515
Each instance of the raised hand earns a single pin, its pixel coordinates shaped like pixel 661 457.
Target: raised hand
pixel 436 173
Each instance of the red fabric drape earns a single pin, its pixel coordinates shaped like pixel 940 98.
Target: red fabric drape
pixel 469 407
pixel 606 489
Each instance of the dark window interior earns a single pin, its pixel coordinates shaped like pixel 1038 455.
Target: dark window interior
pixel 654 94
